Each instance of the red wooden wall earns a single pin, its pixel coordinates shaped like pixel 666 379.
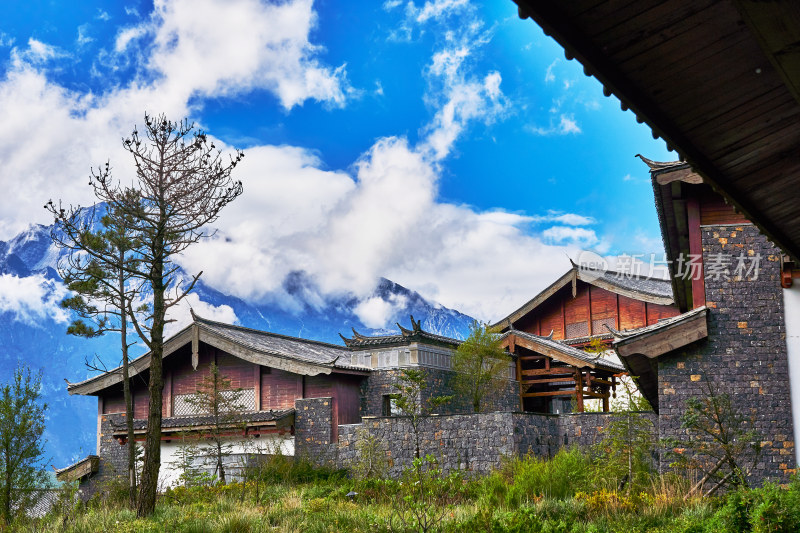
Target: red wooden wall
pixel 714 210
pixel 277 389
pixel 586 313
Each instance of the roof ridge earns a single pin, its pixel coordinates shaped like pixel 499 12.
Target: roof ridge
pixel 268 333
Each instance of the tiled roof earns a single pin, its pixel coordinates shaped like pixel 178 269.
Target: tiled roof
pixel 661 288
pixel 259 347
pixel 404 337
pixel 296 348
pixel 88 458
pixel 661 324
pixel 567 350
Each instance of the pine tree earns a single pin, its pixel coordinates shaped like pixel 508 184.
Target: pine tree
pixel 480 367
pixel 22 422
pixel 182 183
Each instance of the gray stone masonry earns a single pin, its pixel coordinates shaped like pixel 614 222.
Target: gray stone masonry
pixel 382 382
pixel 475 443
pixel 113 457
pixel 745 352
pixel 313 422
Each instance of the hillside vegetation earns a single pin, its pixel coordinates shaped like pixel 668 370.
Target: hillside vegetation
pixel 568 493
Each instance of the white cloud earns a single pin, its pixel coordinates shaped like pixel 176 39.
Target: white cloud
pixel 83 35
pixel 32 299
pixel 377 313
pixel 344 229
pixel 437 9
pixel 51 135
pixel 566 125
pixel 572 235
pixel 182 315
pixel 228 48
pixel 549 75
pixel 570 219
pixel 103 15
pixel 38 52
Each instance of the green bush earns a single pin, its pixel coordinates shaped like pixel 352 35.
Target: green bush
pixel 532 478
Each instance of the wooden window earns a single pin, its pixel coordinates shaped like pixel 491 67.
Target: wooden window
pixel 578 329
pixel 389 407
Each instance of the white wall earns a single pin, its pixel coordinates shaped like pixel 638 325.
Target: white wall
pixel 264 445
pixel 791 306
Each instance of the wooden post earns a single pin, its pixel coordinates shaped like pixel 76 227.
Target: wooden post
pixel 605 400
pixel 589 290
pixel 563 321
pixel 696 249
pixel 511 348
pixel 257 386
pixel 579 389
pixel 168 394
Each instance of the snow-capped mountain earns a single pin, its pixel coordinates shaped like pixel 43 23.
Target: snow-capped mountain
pixel 33 329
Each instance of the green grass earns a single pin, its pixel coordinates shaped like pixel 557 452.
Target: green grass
pixel 525 495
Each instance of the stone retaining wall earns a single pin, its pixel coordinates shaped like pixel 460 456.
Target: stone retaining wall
pixel 475 443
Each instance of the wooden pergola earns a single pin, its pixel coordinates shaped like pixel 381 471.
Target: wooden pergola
pixel 548 369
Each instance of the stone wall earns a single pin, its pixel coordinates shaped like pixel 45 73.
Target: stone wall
pixel 745 352
pixel 439 383
pixel 475 443
pixel 113 457
pixel 588 429
pixel 313 422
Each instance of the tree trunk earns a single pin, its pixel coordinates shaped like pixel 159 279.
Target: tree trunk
pixel 7 495
pixel 126 387
pixel 152 448
pixel 219 462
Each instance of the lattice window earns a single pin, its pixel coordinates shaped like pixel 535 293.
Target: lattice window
pixel 598 325
pixel 577 329
pixel 182 404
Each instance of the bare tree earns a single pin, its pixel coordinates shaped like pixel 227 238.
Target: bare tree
pixel 102 283
pixel 182 183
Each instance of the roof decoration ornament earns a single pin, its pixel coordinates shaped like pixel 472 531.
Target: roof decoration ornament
pixel 195 343
pixel 659 165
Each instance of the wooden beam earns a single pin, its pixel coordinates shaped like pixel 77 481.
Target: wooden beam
pixel 550 380
pixel 566 371
pixel 579 389
pixel 696 249
pixel 548 393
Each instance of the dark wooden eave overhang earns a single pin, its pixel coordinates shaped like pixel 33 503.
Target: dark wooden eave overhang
pixel 292 354
pixel 669 191
pixel 650 290
pixel 558 351
pixel 85 467
pixel 718 80
pixel 639 349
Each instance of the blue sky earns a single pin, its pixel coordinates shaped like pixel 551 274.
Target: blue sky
pixel 447 145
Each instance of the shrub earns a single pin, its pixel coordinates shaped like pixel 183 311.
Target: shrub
pixel 560 477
